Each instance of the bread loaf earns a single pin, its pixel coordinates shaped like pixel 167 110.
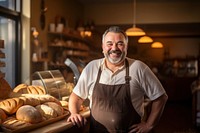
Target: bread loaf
pixel 11 105
pixel 64 103
pixel 57 108
pixel 29 89
pixel 13 124
pixel 3 116
pixel 28 114
pixel 46 111
pixel 5 89
pixel 30 101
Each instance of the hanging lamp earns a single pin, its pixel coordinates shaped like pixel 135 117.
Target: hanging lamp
pixel 135 31
pixel 145 39
pixel 157 45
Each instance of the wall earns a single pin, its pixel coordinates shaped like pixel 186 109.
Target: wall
pixel 152 12
pixel 25 40
pixel 68 9
pixel 147 12
pixel 121 13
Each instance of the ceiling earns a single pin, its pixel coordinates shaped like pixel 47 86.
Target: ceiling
pixel 125 1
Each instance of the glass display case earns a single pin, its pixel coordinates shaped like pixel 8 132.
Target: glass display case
pixel 53 82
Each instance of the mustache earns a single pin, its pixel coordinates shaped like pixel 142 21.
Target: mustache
pixel 115 51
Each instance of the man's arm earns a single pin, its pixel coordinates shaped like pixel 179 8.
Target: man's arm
pixel 156 110
pixel 155 114
pixel 75 103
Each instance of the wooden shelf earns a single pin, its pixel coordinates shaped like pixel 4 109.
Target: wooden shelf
pixel 72 46
pixel 2 64
pixel 2 55
pixel 1 43
pixel 69 36
pixel 41 60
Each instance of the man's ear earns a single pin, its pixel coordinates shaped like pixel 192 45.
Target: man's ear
pixel 102 46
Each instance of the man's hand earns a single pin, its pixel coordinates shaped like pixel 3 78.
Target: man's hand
pixel 142 127
pixel 77 119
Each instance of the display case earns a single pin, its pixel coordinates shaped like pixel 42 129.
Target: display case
pixel 53 82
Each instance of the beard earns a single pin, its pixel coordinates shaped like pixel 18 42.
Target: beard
pixel 115 60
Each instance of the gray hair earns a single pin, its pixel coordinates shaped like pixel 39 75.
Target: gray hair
pixel 115 29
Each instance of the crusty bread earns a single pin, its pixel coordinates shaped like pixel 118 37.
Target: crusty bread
pixel 46 111
pixel 3 116
pixel 29 89
pixel 64 103
pixel 28 113
pixel 12 123
pixel 11 105
pixel 57 108
pixel 48 98
pixel 5 89
pixel 30 101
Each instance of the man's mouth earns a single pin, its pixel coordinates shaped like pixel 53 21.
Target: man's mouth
pixel 114 52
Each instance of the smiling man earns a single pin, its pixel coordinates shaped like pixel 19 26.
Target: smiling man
pixel 116 87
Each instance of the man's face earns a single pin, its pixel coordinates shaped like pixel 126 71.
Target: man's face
pixel 114 47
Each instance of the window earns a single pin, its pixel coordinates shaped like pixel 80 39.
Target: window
pixel 10 33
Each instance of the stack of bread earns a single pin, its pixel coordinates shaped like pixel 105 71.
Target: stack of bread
pixel 28 105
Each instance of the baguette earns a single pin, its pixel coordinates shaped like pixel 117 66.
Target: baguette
pixel 13 124
pixel 42 98
pixel 3 116
pixel 30 101
pixel 11 105
pixel 29 89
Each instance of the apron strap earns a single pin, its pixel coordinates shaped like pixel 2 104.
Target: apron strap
pixel 127 77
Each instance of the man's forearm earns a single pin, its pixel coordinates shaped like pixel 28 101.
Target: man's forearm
pixel 157 110
pixel 75 103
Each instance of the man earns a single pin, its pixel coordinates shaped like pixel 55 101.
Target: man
pixel 116 87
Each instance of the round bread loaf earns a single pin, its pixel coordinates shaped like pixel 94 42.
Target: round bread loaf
pixel 46 111
pixel 11 105
pixel 3 116
pixel 28 114
pixel 57 108
pixel 29 89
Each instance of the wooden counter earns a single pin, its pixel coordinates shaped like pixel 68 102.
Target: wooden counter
pixel 64 126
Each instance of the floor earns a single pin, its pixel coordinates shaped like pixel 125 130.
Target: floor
pixel 177 118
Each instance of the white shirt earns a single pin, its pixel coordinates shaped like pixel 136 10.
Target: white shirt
pixel 142 82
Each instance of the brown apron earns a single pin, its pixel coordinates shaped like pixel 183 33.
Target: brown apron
pixel 112 110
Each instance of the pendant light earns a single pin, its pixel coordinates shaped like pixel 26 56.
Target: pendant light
pixel 157 45
pixel 145 39
pixel 134 31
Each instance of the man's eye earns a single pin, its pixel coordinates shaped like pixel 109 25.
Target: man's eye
pixel 109 44
pixel 120 44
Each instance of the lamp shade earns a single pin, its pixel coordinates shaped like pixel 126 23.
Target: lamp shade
pixel 134 31
pixel 157 45
pixel 145 39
